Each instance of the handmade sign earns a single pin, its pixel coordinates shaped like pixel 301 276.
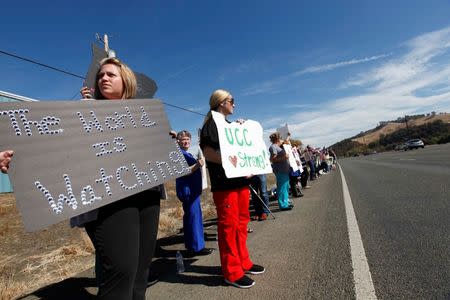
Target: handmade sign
pixel 292 161
pixel 242 147
pixel 146 87
pixel 284 132
pixel 72 157
pixel 203 169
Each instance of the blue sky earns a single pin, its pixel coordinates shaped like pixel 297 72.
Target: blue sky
pixel 329 69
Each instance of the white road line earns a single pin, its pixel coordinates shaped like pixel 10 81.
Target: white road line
pixel 364 288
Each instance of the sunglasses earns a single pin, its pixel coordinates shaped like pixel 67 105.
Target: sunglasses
pixel 230 100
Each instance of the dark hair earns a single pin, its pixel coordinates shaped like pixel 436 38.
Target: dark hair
pixel 274 137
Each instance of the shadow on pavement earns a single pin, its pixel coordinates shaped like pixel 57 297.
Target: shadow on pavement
pixel 163 265
pixel 69 289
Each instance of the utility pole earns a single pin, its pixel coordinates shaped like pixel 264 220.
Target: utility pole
pixel 105 41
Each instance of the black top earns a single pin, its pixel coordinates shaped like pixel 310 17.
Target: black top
pixel 219 181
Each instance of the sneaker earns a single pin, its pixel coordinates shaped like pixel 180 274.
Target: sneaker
pixel 249 230
pixel 244 282
pixel 262 217
pixel 202 252
pixel 256 269
pixel 286 208
pixel 307 187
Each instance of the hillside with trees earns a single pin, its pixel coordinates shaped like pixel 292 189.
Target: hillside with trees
pixel 432 128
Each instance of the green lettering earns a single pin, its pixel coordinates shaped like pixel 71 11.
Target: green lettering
pixel 240 143
pixel 245 137
pixel 229 136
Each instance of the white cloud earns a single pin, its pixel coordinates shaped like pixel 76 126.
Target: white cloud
pixel 411 83
pixel 391 90
pixel 277 84
pixel 329 67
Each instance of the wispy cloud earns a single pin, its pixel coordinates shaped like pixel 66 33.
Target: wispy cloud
pixel 329 67
pixel 388 91
pixel 277 84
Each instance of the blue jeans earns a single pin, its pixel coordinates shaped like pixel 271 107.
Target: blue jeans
pixel 259 184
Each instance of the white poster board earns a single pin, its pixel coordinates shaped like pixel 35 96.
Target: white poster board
pixel 242 147
pixel 292 162
pixel 203 169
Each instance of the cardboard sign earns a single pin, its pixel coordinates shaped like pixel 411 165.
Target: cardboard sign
pixel 146 87
pixel 242 147
pixel 284 132
pixel 203 169
pixel 73 157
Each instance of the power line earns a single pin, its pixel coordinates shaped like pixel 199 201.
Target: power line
pixel 82 77
pixel 41 64
pixel 182 108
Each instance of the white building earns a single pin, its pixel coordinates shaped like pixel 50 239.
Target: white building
pixel 5 184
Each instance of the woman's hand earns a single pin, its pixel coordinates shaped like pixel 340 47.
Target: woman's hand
pixel 240 121
pixel 5 159
pixel 86 93
pixel 200 162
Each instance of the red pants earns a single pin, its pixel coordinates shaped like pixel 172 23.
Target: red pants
pixel 233 216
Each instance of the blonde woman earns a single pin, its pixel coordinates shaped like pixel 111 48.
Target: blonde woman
pixel 123 232
pixel 231 197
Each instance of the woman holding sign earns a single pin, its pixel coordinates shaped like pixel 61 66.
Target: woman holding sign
pixel 189 189
pixel 231 197
pixel 123 232
pixel 280 165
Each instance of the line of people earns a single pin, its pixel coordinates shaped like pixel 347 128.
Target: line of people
pixel 124 232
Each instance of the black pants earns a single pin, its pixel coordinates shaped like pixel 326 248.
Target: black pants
pixel 293 184
pixel 304 177
pixel 124 237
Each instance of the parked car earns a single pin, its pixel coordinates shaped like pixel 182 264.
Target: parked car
pixel 414 144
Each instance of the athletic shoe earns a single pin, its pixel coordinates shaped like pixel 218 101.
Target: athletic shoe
pixel 286 208
pixel 202 252
pixel 244 282
pixel 262 217
pixel 256 269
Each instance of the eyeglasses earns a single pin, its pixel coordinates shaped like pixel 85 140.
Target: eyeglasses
pixel 229 100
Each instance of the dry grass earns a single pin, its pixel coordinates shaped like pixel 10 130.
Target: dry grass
pixel 391 127
pixel 29 261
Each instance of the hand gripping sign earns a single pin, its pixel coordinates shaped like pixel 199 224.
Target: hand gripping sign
pixel 71 157
pixel 242 147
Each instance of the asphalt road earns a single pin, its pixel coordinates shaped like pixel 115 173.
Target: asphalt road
pixel 402 207
pixel 402 203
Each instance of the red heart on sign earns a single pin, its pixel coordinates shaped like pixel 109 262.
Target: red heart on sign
pixel 233 160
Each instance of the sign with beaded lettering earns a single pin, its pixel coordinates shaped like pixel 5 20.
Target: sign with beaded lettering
pixel 73 157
